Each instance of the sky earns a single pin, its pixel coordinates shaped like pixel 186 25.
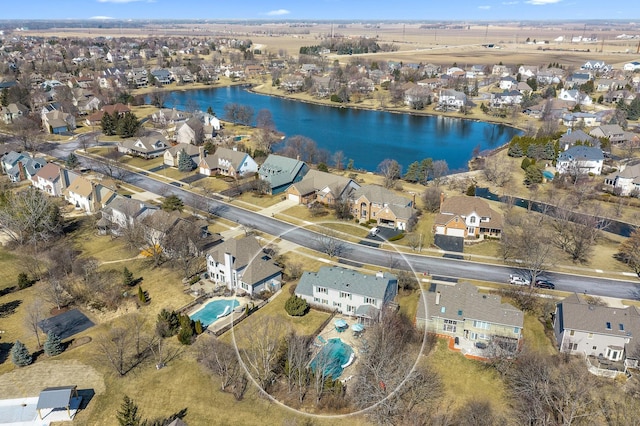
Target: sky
pixel 627 10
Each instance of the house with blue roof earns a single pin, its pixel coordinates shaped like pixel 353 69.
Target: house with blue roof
pixel 20 166
pixel 348 292
pixel 280 172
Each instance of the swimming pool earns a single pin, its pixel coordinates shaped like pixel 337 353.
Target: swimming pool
pixel 548 174
pixel 213 310
pixel 335 356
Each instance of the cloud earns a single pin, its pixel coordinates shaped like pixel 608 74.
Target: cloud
pixel 542 2
pixel 278 12
pixel 510 3
pixel 484 7
pixel 101 18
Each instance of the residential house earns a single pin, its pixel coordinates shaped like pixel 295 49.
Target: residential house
pixel 604 332
pixel 348 292
pixel 418 96
pixel 162 76
pixel 528 71
pixel 578 119
pixel 138 77
pixel 613 132
pixel 506 98
pixel 49 179
pixel 57 122
pixel 580 160
pixel 373 202
pixel 95 119
pixel 577 79
pixel 625 181
pixel 575 97
pixel 227 162
pixel 12 112
pixel 549 76
pixel 524 88
pixel 501 70
pixel 171 156
pixel 192 131
pixel 577 137
pixel 121 213
pixel 467 217
pixel 608 84
pixel 321 187
pixel 508 83
pixel 150 146
pixel 87 195
pixel 596 66
pixel 631 66
pixel 241 265
pixel 451 99
pixel 321 86
pixel 169 116
pixel 21 166
pixel 617 96
pixel 280 172
pixel 460 312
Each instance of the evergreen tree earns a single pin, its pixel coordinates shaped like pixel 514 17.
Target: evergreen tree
pixel 185 163
pixel 413 172
pixel 198 327
pixel 127 125
pixel 53 344
pixel 532 175
pixel 127 277
pixel 128 414
pixel 142 296
pixel 172 203
pixel 633 110
pixel 4 97
pixel 108 125
pixel 72 161
pixel 20 355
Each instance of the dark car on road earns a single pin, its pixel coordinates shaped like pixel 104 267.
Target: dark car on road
pixel 545 284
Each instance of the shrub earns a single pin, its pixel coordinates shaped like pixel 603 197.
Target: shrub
pixel 525 163
pixel 397 237
pixel 296 306
pixel 142 296
pixel 198 327
pixel 24 281
pixel 20 355
pixel 168 323
pixel 194 280
pixel 127 277
pixel 471 190
pixel 53 345
pixel 335 98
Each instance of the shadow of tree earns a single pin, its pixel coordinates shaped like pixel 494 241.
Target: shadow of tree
pixel 9 308
pixel 5 349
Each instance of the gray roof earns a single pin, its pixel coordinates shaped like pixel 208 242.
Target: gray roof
pixel 578 136
pixel 279 170
pixel 581 153
pixel 463 301
pixel 576 314
pixel 315 180
pixel 342 279
pixel 236 158
pixel 247 253
pixel 56 397
pixel 378 194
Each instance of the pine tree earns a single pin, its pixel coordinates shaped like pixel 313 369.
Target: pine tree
pixel 53 344
pixel 185 163
pixel 20 355
pixel 128 125
pixel 142 296
pixel 72 161
pixel 128 414
pixel 4 97
pixel 108 125
pixel 127 277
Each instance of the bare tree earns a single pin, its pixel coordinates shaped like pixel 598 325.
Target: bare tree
pixel 297 360
pixel 439 170
pixel 390 171
pixel 34 314
pixel 221 359
pixel 330 244
pixel 114 347
pixel 431 198
pixel 338 160
pixel 497 171
pixel 259 348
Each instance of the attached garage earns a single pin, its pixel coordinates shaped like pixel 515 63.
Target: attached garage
pixel 294 197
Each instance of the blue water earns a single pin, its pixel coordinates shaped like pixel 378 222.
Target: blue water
pixel 209 313
pixel 548 174
pixel 336 353
pixel 367 137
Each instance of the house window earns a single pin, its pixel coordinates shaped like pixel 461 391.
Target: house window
pixel 338 304
pixel 516 330
pixel 370 300
pixel 621 326
pixel 316 300
pixel 573 346
pixel 325 301
pixel 481 324
pixel 608 325
pixel 472 219
pixel 351 308
pixel 473 336
pixel 594 348
pixel 345 295
pixel 449 326
pixel 483 336
pixel 322 290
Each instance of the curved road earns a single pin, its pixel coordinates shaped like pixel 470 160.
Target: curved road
pixel 437 266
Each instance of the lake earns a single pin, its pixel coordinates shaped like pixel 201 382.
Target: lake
pixel 367 137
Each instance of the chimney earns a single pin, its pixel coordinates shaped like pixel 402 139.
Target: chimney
pixel 379 274
pixel 22 173
pixel 437 298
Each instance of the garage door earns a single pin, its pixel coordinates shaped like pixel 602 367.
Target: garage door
pixel 294 197
pixel 455 232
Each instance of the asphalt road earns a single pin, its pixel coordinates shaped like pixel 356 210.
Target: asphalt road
pixel 436 266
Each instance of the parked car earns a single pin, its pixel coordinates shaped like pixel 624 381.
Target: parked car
pixel 518 280
pixel 374 231
pixel 545 284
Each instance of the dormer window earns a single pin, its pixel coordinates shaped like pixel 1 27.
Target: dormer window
pixel 621 327
pixel 608 325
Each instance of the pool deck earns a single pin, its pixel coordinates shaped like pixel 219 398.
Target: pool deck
pixel 348 337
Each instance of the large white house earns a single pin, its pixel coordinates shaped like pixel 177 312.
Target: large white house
pixel 626 181
pixel 347 291
pixel 580 160
pixel 241 265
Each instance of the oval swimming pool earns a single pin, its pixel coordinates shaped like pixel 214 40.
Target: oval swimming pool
pixel 333 358
pixel 214 310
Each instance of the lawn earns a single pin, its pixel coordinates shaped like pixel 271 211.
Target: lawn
pixel 408 302
pixel 10 268
pixel 103 247
pixel 467 380
pixel 260 201
pixel 535 337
